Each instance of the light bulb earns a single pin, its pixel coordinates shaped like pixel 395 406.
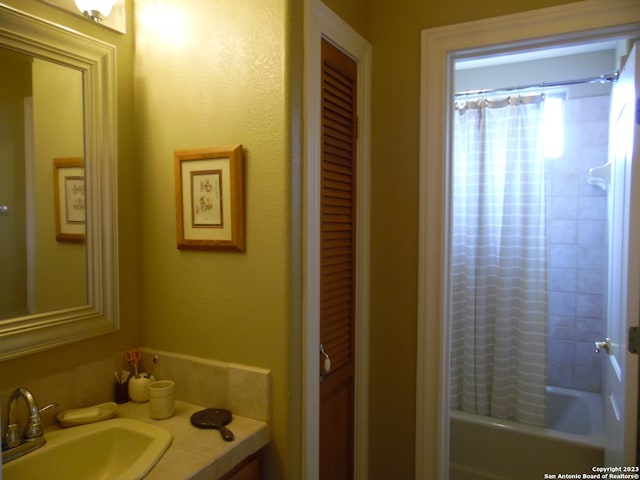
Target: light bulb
pixel 95 9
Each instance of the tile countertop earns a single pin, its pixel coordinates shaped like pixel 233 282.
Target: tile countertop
pixel 197 453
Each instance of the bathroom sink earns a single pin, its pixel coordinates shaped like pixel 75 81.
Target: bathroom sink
pixel 115 449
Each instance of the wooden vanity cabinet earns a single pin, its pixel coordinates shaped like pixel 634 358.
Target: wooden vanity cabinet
pixel 249 469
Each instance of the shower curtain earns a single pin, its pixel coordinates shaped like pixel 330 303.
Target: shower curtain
pixel 498 260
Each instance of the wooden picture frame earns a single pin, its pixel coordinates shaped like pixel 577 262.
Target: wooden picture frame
pixel 210 198
pixel 69 199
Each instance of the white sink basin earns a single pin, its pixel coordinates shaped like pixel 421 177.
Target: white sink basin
pixel 115 449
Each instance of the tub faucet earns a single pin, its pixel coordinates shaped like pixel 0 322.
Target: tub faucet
pixel 18 443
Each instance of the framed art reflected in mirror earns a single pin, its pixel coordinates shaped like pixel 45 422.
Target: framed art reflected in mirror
pixel 70 199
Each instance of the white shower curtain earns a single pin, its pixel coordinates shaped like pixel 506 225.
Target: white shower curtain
pixel 498 260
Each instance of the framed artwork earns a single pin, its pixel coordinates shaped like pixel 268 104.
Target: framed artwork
pixel 210 198
pixel 69 199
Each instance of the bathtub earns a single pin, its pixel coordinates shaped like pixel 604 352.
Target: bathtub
pixel 576 412
pixel 483 448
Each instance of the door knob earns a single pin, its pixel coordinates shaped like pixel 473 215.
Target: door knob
pixel 327 363
pixel 327 359
pixel 606 345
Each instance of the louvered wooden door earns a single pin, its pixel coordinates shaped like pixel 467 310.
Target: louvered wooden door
pixel 337 244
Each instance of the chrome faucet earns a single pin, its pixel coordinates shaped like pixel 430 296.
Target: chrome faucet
pixel 18 443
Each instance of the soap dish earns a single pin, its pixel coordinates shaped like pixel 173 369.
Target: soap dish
pixel 82 416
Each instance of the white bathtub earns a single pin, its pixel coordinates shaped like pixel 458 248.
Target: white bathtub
pixel 483 448
pixel 575 411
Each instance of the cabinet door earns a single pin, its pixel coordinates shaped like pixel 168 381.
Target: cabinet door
pixel 248 469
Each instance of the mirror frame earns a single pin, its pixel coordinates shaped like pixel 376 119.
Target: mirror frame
pixel 96 60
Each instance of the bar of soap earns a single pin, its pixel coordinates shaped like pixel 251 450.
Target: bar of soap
pixel 81 414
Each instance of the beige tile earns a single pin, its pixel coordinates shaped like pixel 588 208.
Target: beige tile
pixel 250 392
pixel 244 390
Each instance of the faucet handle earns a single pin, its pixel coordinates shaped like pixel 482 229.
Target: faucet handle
pixel 33 428
pixel 48 408
pixel 12 437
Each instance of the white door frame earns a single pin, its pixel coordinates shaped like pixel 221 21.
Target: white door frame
pixel 321 22
pixel 584 21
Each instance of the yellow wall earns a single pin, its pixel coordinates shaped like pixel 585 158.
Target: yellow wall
pixel 212 73
pixel 395 35
pixel 15 78
pixel 353 12
pixel 61 267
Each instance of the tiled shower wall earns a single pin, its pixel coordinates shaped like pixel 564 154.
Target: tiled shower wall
pixel 577 248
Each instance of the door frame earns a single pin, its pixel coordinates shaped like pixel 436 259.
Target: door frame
pixel 583 21
pixel 321 22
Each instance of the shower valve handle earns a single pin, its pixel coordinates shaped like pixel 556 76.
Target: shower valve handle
pixel 606 345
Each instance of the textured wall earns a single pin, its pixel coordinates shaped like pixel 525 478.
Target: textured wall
pixel 212 73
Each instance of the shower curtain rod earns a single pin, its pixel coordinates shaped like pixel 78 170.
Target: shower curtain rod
pixel 608 78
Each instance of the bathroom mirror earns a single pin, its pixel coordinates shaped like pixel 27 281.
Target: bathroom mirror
pixel 58 205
